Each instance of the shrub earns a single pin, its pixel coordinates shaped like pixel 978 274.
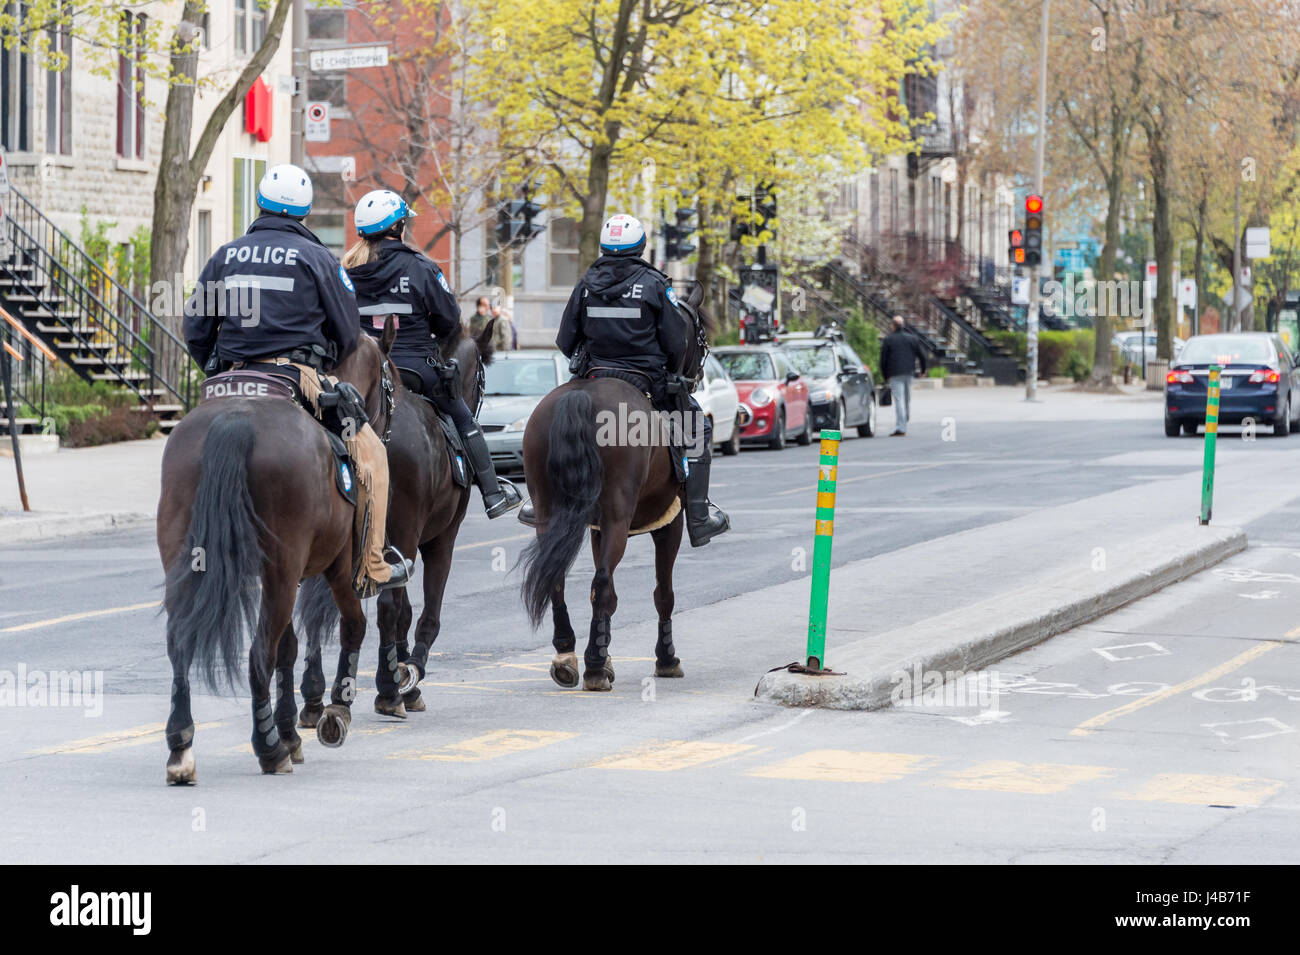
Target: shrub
pixel 938 371
pixel 864 339
pixel 105 426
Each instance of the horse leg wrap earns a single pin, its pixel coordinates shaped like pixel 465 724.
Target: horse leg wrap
pixel 598 644
pixel 664 650
pixel 180 724
pixel 345 678
pixel 564 639
pixel 313 678
pixel 266 738
pixel 286 707
pixel 403 651
pixel 386 673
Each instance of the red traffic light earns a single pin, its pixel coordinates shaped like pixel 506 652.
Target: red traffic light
pixel 1019 257
pixel 1017 238
pixel 1033 204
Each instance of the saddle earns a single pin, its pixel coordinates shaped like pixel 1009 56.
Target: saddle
pixel 457 458
pixel 249 383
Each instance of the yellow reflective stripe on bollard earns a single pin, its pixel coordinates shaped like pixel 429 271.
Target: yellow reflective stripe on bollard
pixel 825 499
pixel 825 528
pixel 830 447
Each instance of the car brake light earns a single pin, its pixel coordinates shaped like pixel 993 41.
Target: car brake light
pixel 1265 374
pixel 1178 377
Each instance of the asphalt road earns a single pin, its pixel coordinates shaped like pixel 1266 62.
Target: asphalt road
pixel 506 767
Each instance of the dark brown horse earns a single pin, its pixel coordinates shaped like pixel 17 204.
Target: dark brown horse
pixel 425 512
pixel 248 509
pixel 621 487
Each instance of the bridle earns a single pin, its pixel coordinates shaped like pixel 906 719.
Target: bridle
pixel 701 343
pixel 390 396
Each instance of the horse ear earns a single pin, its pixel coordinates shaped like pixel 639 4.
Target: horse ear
pixel 390 333
pixel 695 297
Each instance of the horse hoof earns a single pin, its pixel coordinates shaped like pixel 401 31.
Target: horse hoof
pixel 609 670
pixel 277 765
pixel 564 670
pixel 332 729
pixel 310 715
pixel 408 678
pixel 414 701
pixel 671 671
pixel 388 707
pixel 295 750
pixel 180 767
pixel 597 680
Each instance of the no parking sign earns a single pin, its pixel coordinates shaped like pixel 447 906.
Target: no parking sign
pixel 318 122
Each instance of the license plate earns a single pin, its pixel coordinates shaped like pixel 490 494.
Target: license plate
pixel 1225 383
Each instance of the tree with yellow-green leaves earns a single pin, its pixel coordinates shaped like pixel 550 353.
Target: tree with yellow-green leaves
pixel 718 94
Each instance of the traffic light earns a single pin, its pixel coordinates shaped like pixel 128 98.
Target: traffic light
pixel 1033 230
pixel 515 220
pixel 1016 247
pixel 755 215
pixel 675 235
pixel 765 206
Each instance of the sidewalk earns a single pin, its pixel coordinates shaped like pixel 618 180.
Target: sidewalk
pixel 73 491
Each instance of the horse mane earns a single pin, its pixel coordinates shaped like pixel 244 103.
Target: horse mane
pixel 450 342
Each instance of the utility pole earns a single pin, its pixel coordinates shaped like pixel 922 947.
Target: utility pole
pixel 298 116
pixel 1236 255
pixel 1031 320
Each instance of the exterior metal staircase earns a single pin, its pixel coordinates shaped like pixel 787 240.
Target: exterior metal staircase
pixel 69 301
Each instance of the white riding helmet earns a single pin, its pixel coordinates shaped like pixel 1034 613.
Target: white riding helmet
pixel 380 210
pixel 622 233
pixel 285 189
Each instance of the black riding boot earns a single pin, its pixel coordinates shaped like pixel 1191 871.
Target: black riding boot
pixel 499 496
pixel 704 520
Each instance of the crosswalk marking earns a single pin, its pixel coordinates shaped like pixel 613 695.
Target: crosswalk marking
pixel 1206 790
pixel 1012 777
pixel 117 739
pixel 488 746
pixel 673 754
pixel 846 766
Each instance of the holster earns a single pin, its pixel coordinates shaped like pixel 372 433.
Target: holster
pixel 448 377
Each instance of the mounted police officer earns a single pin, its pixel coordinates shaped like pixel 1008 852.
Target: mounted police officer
pixel 391 278
pixel 303 322
pixel 622 321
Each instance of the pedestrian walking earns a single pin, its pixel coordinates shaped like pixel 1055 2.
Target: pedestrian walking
pixel 900 353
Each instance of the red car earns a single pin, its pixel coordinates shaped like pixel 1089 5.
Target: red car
pixel 773 395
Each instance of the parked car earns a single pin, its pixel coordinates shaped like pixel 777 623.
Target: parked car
pixel 1130 346
pixel 720 400
pixel 514 384
pixel 1260 380
pixel 841 391
pixel 773 395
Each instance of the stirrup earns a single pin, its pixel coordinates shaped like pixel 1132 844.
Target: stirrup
pixel 505 500
pixel 528 515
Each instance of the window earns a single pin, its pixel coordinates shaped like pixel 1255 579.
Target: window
pixel 58 96
pixel 130 87
pixel 250 25
pixel 563 235
pixel 15 93
pixel 331 228
pixel 247 174
pixel 203 238
pixel 327 24
pixel 894 223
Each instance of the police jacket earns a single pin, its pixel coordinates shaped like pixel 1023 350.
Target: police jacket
pixel 625 311
pixel 406 284
pixel 274 289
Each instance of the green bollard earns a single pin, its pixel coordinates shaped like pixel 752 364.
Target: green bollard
pixel 1211 435
pixel 827 472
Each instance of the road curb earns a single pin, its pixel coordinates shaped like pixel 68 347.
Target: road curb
pixel 976 636
pixel 39 527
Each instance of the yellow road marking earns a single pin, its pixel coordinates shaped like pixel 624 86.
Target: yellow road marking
pixel 671 755
pixel 1206 790
pixel 489 746
pixel 1011 777
pixel 85 615
pixel 861 477
pixel 118 739
pixel 845 766
pixel 1088 726
pixel 499 540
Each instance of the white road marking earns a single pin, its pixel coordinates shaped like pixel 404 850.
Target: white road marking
pixel 1156 650
pixel 1274 728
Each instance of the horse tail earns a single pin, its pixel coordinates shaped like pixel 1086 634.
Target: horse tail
pixel 212 592
pixel 316 613
pixel 576 475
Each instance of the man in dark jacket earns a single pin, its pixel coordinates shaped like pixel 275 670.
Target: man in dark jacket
pixel 900 353
pixel 622 321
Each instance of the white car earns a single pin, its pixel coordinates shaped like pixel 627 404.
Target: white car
pixel 717 396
